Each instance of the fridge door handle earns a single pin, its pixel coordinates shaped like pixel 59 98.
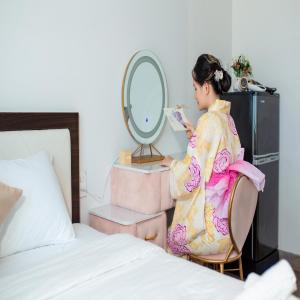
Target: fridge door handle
pixel 254 121
pixel 265 160
pixel 265 155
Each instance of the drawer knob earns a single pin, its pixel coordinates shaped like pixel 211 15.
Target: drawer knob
pixel 151 238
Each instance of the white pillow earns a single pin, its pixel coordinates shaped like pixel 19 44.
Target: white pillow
pixel 40 218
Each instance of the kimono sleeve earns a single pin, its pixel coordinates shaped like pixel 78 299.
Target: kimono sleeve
pixel 188 176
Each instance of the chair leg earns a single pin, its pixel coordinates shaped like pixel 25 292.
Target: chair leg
pixel 241 268
pixel 222 268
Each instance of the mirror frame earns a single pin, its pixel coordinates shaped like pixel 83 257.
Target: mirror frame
pixel 141 137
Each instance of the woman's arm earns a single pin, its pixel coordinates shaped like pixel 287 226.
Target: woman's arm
pixel 190 174
pixel 189 130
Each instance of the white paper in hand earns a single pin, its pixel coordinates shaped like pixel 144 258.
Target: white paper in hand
pixel 176 118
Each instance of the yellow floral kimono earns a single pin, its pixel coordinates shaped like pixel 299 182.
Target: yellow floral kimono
pixel 200 224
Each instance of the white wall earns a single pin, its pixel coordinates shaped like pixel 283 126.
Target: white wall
pixel 209 31
pixel 70 55
pixel 268 33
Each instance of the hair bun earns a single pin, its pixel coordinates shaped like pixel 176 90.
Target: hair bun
pixel 225 82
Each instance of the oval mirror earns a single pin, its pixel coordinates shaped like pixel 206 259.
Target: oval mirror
pixel 144 97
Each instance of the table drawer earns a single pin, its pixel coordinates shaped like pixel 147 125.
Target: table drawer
pixel 153 230
pixel 145 193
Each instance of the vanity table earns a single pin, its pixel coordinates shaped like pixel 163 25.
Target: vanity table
pixel 140 197
pixel 140 192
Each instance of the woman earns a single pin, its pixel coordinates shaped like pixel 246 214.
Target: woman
pixel 201 182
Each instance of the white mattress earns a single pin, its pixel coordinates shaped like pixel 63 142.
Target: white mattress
pixel 96 266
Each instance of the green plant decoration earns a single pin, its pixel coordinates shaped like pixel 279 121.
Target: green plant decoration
pixel 241 67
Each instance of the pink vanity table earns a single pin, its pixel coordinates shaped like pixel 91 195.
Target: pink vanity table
pixel 140 198
pixel 140 193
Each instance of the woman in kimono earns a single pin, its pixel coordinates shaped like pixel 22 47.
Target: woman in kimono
pixel 201 182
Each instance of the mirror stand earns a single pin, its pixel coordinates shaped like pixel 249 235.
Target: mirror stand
pixel 139 157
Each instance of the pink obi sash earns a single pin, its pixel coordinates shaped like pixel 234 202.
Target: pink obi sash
pixel 220 185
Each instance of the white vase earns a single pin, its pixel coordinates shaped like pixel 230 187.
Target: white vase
pixel 236 83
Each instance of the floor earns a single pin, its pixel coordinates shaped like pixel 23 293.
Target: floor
pixel 294 261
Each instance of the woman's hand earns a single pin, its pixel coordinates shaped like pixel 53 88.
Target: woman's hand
pixel 167 161
pixel 189 130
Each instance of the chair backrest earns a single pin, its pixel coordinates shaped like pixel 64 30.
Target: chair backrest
pixel 242 207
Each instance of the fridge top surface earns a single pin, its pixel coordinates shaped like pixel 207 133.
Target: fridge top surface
pixel 252 93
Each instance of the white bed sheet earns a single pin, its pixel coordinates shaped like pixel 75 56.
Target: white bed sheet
pixel 27 259
pixel 96 266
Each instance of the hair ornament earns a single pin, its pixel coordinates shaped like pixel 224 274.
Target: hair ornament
pixel 218 75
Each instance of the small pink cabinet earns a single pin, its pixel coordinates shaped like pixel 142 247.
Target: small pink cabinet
pixel 148 193
pixel 140 195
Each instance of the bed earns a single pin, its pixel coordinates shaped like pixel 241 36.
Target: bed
pixel 93 265
pixel 96 266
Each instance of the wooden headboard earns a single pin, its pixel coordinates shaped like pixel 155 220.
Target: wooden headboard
pixel 39 121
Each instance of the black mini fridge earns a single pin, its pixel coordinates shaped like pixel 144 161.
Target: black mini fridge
pixel 256 115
